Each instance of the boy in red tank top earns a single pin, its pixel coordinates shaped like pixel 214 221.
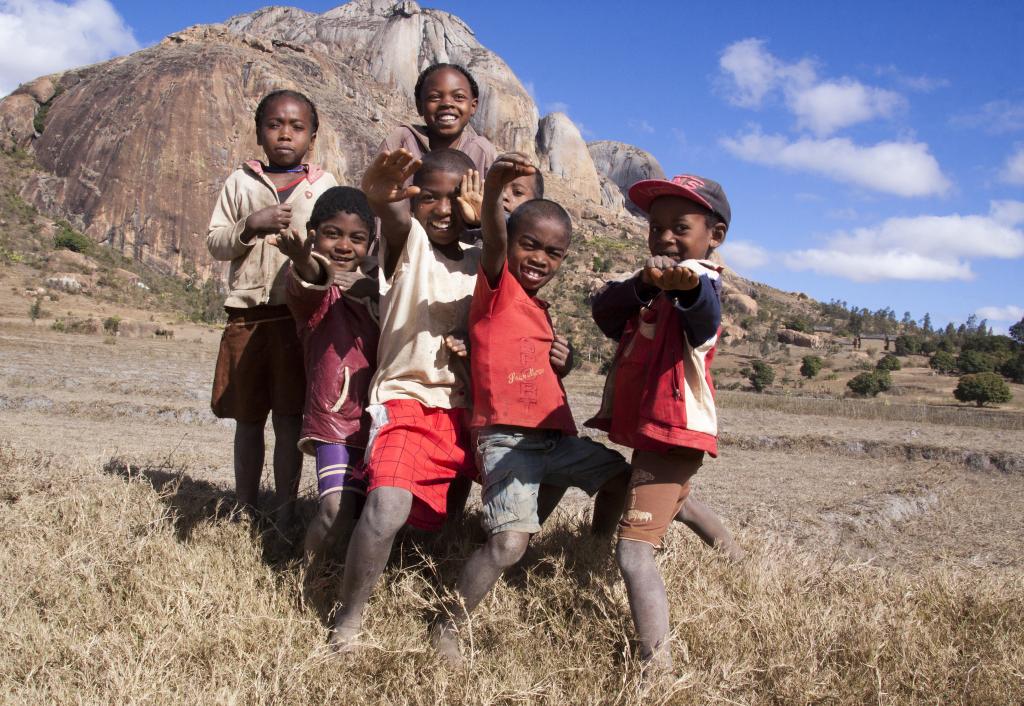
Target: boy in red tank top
pixel 525 433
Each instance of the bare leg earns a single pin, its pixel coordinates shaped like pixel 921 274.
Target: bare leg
pixel 248 463
pixel 458 494
pixel 287 467
pixel 478 576
pixel 647 599
pixel 707 525
pixel 609 504
pixel 335 518
pixel 386 511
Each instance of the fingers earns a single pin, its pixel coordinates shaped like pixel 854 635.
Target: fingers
pixel 456 345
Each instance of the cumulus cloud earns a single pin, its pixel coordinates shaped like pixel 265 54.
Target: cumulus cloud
pixel 744 255
pixel 1009 213
pixel 900 168
pixel 1001 313
pixel 919 248
pixel 43 36
pixel 996 117
pixel 752 74
pixel 1013 171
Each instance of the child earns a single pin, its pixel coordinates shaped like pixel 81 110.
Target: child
pixel 339 333
pixel 259 366
pixel 418 439
pixel 659 397
pixel 446 98
pixel 525 431
pixel 523 188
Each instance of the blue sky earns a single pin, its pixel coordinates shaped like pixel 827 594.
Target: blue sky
pixel 872 151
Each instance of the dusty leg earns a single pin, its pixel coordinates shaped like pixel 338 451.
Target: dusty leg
pixel 647 599
pixel 478 576
pixel 385 512
pixel 335 518
pixel 287 468
pixel 707 525
pixel 609 504
pixel 248 464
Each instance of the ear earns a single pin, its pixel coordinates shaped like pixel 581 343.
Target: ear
pixel 472 106
pixel 312 142
pixel 419 106
pixel 718 234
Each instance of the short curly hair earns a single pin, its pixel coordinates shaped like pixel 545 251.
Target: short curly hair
pixel 342 199
pixel 261 109
pixel 538 209
pixel 433 68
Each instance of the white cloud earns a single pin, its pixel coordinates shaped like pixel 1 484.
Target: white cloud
pixel 920 84
pixel 1013 171
pixel 999 116
pixel 900 168
pixel 1001 313
pixel 744 255
pixel 1009 213
pixel 558 107
pixel 641 126
pixel 43 36
pixel 821 106
pixel 919 248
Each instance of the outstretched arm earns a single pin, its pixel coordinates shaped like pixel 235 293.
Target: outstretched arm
pixel 300 252
pixel 384 186
pixel 495 234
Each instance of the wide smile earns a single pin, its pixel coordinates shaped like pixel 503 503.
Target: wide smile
pixel 446 119
pixel 532 275
pixel 441 225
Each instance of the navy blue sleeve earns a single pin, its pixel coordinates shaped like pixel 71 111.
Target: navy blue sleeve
pixel 701 311
pixel 617 302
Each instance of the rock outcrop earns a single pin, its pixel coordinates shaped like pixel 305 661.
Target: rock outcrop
pixel 561 150
pixel 799 338
pixel 622 165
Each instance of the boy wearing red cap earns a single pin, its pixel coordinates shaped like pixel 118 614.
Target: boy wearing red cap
pixel 659 398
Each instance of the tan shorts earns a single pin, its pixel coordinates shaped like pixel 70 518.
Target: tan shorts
pixel 657 490
pixel 259 366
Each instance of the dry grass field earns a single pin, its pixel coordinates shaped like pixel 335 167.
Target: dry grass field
pixel 885 563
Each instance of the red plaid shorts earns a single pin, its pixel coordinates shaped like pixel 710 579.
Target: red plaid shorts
pixel 420 449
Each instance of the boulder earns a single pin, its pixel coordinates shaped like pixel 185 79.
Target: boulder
pixel 17 112
pixel 740 302
pixel 733 333
pixel 42 89
pixel 67 282
pixel 562 151
pixel 70 260
pixel 799 338
pixel 624 165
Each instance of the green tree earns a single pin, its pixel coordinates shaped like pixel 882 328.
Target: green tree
pixel 972 361
pixel 761 376
pixel 943 362
pixel 1017 331
pixel 888 362
pixel 982 388
pixel 811 366
pixel 908 345
pixel 1014 368
pixel 870 384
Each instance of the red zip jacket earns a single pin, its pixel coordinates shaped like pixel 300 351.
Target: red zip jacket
pixel 339 337
pixel 666 344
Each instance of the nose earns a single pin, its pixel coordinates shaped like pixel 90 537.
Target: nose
pixel 444 206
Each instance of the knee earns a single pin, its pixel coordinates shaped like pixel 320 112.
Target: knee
pixel 330 506
pixel 633 557
pixel 507 548
pixel 384 515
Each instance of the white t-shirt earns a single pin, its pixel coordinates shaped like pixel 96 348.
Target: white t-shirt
pixel 426 299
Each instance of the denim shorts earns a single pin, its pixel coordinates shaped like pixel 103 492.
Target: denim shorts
pixel 515 461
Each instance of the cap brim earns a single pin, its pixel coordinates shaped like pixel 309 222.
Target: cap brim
pixel 644 192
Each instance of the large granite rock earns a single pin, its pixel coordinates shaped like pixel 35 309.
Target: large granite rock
pixel 622 165
pixel 393 41
pixel 799 338
pixel 562 151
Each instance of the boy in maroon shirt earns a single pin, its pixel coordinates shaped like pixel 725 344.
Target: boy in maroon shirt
pixel 524 427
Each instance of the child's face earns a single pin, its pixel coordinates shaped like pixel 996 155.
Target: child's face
pixel 536 251
pixel 678 229
pixel 434 207
pixel 344 239
pixel 286 132
pixel 446 103
pixel 518 191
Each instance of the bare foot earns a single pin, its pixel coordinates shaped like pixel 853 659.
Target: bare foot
pixel 344 639
pixel 658 673
pixel 444 638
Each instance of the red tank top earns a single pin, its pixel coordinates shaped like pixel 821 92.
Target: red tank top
pixel 510 337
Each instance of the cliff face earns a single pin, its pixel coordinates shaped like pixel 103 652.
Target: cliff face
pixel 133 151
pixel 620 166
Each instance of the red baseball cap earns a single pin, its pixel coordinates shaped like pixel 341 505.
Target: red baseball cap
pixel 706 192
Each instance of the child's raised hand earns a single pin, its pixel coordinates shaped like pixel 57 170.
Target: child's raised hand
pixel 272 219
pixel 561 355
pixel 292 245
pixel 384 180
pixel 471 197
pixel 457 344
pixel 667 274
pixel 507 167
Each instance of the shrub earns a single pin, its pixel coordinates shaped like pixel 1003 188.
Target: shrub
pixel 761 376
pixel 943 362
pixel 982 388
pixel 800 324
pixel 36 310
pixel 888 362
pixel 112 324
pixel 972 361
pixel 811 366
pixel 907 345
pixel 1014 368
pixel 70 240
pixel 870 384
